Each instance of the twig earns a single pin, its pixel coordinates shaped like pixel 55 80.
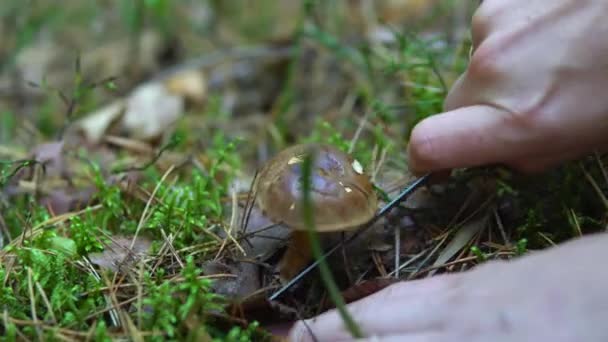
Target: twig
pixel 601 166
pixel 595 186
pixel 380 163
pixel 149 163
pixel 501 227
pixel 30 289
pixel 353 141
pixel 169 244
pixel 230 229
pixel 407 263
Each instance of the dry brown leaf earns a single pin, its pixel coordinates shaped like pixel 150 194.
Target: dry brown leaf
pixel 146 114
pixel 118 254
pixel 395 12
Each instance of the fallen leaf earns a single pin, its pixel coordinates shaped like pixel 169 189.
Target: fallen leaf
pixel 118 254
pixel 461 239
pixel 242 278
pixel 51 156
pixel 150 111
pixel 262 238
pixel 61 201
pixel 95 125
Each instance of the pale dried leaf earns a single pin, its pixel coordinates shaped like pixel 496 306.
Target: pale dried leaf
pixel 150 110
pixel 95 125
pixel 460 240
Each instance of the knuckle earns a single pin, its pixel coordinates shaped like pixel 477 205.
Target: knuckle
pixel 486 62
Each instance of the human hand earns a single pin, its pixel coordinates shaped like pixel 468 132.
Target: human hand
pixel 534 93
pixel 558 294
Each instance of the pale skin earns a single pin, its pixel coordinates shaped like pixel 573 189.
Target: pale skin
pixel 534 95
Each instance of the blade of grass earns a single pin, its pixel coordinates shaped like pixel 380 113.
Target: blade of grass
pixel 326 275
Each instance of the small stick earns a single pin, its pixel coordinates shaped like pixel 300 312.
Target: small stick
pixel 396 201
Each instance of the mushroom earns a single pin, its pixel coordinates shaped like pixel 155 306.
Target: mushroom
pixel 343 197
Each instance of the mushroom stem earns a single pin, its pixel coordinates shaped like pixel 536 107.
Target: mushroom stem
pixel 296 257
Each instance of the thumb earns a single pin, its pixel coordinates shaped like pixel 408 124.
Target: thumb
pixel 463 137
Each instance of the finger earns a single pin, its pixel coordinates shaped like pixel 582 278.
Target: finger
pixel 381 317
pixel 402 307
pixel 442 337
pixel 479 27
pixel 455 97
pixel 465 137
pixel 418 337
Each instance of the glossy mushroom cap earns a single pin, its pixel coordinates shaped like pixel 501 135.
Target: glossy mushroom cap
pixel 343 196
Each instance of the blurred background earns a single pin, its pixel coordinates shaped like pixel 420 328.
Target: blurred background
pixel 259 61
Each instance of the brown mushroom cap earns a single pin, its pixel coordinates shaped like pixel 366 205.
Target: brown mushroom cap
pixel 343 196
